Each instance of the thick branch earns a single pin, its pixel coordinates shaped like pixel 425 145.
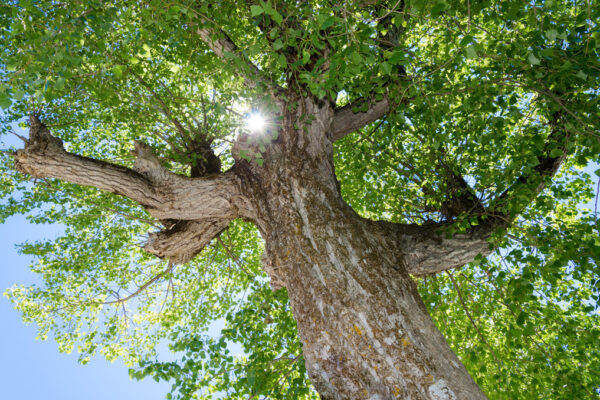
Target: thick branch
pixel 346 121
pixel 181 242
pixel 164 194
pixel 428 250
pixel 45 157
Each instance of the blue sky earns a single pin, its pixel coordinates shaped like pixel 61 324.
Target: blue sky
pixel 34 369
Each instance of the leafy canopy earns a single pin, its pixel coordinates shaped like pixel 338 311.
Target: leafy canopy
pixel 474 87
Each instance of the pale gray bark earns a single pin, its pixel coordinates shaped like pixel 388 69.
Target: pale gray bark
pixel 428 249
pixel 185 239
pixel 203 206
pixel 365 331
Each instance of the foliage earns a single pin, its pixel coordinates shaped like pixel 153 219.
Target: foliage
pixel 475 87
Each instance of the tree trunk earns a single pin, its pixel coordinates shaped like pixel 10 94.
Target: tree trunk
pixel 365 331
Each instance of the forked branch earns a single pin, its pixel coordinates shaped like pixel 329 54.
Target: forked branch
pixel 143 287
pixel 164 194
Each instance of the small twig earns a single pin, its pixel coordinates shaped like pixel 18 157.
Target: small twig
pixel 233 256
pixel 143 287
pixel 596 201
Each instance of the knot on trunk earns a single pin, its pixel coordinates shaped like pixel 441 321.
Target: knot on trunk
pixel 40 138
pixel 148 164
pixel 204 160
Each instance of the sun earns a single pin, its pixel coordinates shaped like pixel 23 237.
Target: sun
pixel 255 122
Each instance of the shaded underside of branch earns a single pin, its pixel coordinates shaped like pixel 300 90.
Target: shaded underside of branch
pixel 194 209
pixel 185 239
pixel 431 248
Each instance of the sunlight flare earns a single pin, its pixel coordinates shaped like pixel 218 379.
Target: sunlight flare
pixel 255 122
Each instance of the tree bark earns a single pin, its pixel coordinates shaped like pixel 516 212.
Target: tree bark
pixel 366 333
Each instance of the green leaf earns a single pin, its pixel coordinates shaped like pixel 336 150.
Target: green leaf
pixel 398 57
pixel 385 68
pixel 533 60
pixel 325 21
pixel 305 56
pixel 521 318
pixel 277 45
pixel 117 70
pixel 256 10
pixel 438 8
pixel 556 153
pixel 278 18
pixel 19 94
pixel 551 34
pixel 282 61
pixel 5 101
pixel 60 83
pixel 471 52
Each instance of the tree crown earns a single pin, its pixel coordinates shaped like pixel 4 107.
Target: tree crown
pixel 450 113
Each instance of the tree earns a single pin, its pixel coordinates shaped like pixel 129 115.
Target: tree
pixel 402 139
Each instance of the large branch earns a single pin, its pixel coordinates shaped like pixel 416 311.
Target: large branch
pixel 427 249
pixel 165 195
pixel 346 121
pixel 182 241
pixel 45 157
pixel 430 248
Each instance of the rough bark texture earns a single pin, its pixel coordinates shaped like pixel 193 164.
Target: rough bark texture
pixel 164 194
pixel 365 330
pixel 184 239
pixel 428 250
